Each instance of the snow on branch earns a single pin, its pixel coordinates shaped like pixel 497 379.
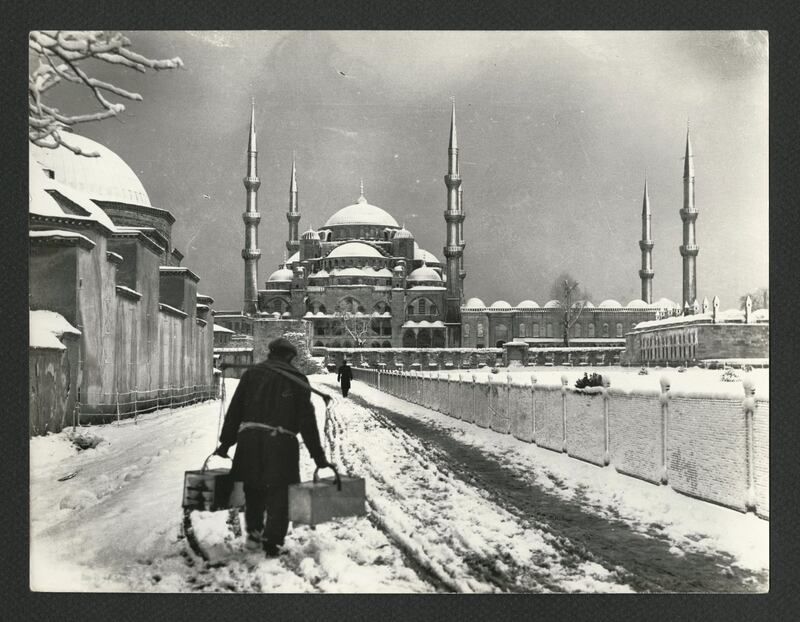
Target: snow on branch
pixel 57 55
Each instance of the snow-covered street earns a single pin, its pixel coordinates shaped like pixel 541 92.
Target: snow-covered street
pixel 452 507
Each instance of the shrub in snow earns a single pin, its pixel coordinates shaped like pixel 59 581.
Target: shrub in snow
pixel 495 370
pixel 595 380
pixel 730 375
pixel 643 371
pixel 747 368
pixel 303 361
pixel 78 500
pixel 681 369
pixel 85 439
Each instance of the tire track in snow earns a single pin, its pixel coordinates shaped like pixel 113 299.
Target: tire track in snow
pixel 447 525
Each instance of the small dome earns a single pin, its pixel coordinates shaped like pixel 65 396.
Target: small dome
pixel 398 268
pixel 423 255
pixel 664 303
pixel 552 304
pixel 500 304
pixel 281 275
pixel 310 235
pixel 362 213
pixel 403 233
pixel 610 304
pixel 352 272
pixel 588 305
pixel 322 274
pixel 424 273
pixel 354 249
pixel 528 304
pixel 637 304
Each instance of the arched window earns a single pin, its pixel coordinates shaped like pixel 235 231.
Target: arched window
pixel 605 330
pixel 523 330
pixel 421 306
pixel 438 339
pixel 577 330
pixel 386 344
pixel 409 340
pixel 424 339
pixel 501 332
pixel 549 329
pixel 466 331
pixel 619 329
pixel 536 329
pixel 591 330
pixel 479 330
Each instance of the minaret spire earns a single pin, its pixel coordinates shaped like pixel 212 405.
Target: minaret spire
pixel 689 248
pixel 454 249
pixel 251 218
pixel 646 246
pixel 293 215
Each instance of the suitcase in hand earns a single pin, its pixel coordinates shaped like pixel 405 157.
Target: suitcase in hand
pixel 211 489
pixel 320 500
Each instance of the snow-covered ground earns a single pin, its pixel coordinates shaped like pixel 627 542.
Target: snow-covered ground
pixel 116 524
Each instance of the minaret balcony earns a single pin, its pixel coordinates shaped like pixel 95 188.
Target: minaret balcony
pixel 453 251
pixel 251 183
pixel 453 216
pixel 688 215
pixel 646 274
pixel 452 180
pixel 646 245
pixel 251 218
pixel 293 217
pixel 689 250
pixel 251 253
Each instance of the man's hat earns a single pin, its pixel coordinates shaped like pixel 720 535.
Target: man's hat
pixel 282 347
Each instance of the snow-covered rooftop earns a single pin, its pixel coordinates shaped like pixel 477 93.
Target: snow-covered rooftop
pixel 46 329
pixel 60 234
pixel 354 249
pixel 222 329
pixel 362 213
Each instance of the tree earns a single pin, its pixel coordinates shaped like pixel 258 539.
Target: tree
pixel 353 321
pixel 572 299
pixel 58 56
pixel 759 299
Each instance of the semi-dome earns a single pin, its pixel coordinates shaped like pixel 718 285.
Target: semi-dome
pixel 424 273
pixel 362 213
pixel 354 249
pixel 552 304
pixel 403 233
pixel 475 303
pixel 528 304
pixel 637 304
pixel 280 275
pixel 293 258
pixel 610 304
pixel 310 235
pixel 500 304
pixel 322 274
pixel 423 255
pixel 104 178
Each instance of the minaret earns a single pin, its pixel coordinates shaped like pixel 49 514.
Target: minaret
pixel 689 248
pixel 251 218
pixel 293 215
pixel 454 250
pixel 646 246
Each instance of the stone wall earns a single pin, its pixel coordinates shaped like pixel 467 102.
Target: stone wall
pixel 711 446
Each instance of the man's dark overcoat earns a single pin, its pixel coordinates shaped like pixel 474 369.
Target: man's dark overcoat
pixel 265 396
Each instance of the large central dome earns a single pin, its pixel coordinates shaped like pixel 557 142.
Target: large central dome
pixel 362 213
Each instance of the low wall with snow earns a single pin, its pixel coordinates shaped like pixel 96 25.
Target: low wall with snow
pixel 711 446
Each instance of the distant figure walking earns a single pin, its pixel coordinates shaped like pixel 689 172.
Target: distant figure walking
pixel 344 376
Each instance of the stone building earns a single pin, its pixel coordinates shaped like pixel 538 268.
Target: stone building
pixel 360 278
pixel 101 257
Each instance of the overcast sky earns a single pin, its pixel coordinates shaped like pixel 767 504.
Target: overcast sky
pixel 556 131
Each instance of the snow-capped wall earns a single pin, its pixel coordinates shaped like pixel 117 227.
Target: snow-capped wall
pixel 711 446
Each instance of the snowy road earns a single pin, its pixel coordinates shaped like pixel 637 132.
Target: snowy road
pixel 452 508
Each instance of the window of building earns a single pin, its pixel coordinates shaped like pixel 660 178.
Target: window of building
pixel 605 330
pixel 549 329
pixel 536 329
pixel 591 330
pixel 466 331
pixel 523 330
pixel 619 329
pixel 577 330
pixel 479 330
pixel 421 305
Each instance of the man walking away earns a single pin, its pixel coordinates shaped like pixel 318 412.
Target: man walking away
pixel 345 375
pixel 270 406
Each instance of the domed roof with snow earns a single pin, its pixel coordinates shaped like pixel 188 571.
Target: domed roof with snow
pixel 362 213
pixel 637 304
pixel 322 274
pixel 475 303
pixel 665 303
pixel 528 304
pixel 403 233
pixel 423 255
pixel 280 275
pixel 424 273
pixel 610 304
pixel 552 304
pixel 105 178
pixel 500 304
pixel 310 235
pixel 354 249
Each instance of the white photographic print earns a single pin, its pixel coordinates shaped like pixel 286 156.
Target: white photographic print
pixel 399 311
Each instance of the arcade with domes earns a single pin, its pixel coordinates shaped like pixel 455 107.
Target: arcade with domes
pixel 360 278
